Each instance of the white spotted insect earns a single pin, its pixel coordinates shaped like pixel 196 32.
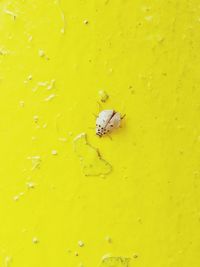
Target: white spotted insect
pixel 107 121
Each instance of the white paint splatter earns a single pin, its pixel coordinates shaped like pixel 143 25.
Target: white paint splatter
pixel 41 53
pixel 54 152
pixel 50 97
pixel 11 13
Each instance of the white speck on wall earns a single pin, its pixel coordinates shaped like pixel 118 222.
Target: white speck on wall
pixel 44 125
pixel 50 97
pixel 43 83
pixel 30 185
pixel 35 118
pixel 30 38
pixel 41 53
pixel 4 51
pixel 16 198
pixel 85 21
pixel 54 152
pixel 106 256
pixel 51 84
pixel 21 103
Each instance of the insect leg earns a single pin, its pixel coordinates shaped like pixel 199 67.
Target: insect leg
pixel 100 106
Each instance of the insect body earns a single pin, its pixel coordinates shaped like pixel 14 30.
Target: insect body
pixel 107 121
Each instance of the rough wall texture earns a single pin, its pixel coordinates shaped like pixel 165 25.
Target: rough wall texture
pixel 55 57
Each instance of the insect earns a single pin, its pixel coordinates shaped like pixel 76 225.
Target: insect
pixel 107 121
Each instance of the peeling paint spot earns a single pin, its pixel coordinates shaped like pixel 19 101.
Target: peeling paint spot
pixel 149 18
pixel 115 262
pixel 51 84
pixel 62 14
pixel 3 51
pixel 36 161
pixel 91 161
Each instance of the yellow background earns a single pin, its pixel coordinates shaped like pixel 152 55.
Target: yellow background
pixel 146 56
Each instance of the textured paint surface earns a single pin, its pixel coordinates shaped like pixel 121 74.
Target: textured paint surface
pixel 55 57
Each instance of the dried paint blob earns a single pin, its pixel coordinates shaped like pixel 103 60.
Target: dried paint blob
pixel 35 240
pixel 85 21
pixel 91 161
pixel 30 185
pixel 81 243
pixel 16 198
pixel 114 262
pixel 103 96
pixel 108 239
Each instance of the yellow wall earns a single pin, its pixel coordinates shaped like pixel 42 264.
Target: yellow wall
pixel 55 57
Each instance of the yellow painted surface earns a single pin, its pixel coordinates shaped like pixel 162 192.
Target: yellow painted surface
pixel 55 57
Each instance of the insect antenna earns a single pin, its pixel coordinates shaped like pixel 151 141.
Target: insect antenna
pixel 94 115
pixel 123 116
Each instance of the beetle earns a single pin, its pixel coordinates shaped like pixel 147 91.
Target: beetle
pixel 107 121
